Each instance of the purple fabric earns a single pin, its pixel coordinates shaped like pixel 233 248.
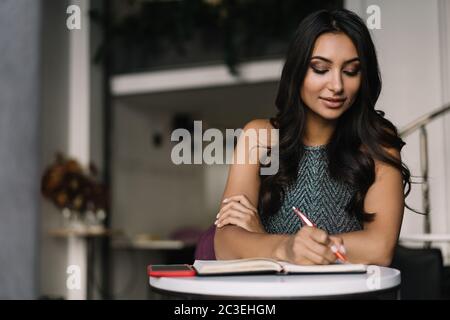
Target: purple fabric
pixel 205 245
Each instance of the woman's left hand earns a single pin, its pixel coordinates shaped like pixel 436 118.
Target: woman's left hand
pixel 240 212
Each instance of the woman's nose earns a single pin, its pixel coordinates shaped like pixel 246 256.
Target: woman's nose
pixel 335 84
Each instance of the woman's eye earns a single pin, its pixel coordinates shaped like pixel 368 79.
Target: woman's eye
pixel 318 70
pixel 351 73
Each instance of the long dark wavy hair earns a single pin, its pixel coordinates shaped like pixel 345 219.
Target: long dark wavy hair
pixel 361 133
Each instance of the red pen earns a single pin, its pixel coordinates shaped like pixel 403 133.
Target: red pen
pixel 311 224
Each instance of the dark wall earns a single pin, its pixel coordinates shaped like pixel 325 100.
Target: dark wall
pixel 19 147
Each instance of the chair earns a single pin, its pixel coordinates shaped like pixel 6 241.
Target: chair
pixel 205 245
pixel 422 272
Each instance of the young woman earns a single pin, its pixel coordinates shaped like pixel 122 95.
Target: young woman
pixel 339 158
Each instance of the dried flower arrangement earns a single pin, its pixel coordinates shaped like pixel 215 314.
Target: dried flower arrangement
pixel 69 187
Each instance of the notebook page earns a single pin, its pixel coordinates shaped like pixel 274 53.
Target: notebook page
pixel 331 268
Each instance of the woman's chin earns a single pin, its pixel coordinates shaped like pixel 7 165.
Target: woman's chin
pixel 330 114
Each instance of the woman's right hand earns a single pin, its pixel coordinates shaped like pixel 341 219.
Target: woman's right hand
pixel 309 246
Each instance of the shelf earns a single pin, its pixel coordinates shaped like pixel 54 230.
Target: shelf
pixel 152 245
pixel 82 232
pixel 194 78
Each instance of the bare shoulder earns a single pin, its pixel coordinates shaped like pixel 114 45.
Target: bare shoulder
pixel 385 169
pixel 382 167
pixel 263 131
pixel 259 124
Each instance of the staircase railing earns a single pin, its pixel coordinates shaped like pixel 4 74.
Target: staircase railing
pixel 420 124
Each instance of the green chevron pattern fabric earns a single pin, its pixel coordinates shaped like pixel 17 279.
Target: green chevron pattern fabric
pixel 317 195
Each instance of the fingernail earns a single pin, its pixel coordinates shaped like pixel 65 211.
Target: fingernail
pixel 342 249
pixel 218 215
pixel 225 200
pixel 215 222
pixel 334 248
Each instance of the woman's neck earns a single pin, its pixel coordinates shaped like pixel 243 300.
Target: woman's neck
pixel 318 131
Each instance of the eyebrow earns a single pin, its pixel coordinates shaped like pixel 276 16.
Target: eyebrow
pixel 329 61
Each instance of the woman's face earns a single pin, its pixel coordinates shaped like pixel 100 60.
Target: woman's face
pixel 333 78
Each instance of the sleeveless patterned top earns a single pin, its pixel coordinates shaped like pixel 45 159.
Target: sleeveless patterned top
pixel 321 198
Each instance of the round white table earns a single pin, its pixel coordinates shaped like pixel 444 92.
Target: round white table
pixel 377 282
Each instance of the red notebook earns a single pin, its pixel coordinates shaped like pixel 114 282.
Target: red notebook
pixel 171 270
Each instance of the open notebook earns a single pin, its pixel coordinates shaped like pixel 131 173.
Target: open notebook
pixel 263 265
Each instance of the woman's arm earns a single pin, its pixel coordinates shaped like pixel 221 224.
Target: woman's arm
pixel 376 243
pixel 231 241
pixel 240 234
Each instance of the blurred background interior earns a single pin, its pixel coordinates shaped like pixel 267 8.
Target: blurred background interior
pixel 87 185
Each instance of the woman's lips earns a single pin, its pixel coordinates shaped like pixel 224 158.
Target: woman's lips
pixel 332 103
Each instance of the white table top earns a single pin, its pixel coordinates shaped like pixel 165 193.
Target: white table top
pixel 282 286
